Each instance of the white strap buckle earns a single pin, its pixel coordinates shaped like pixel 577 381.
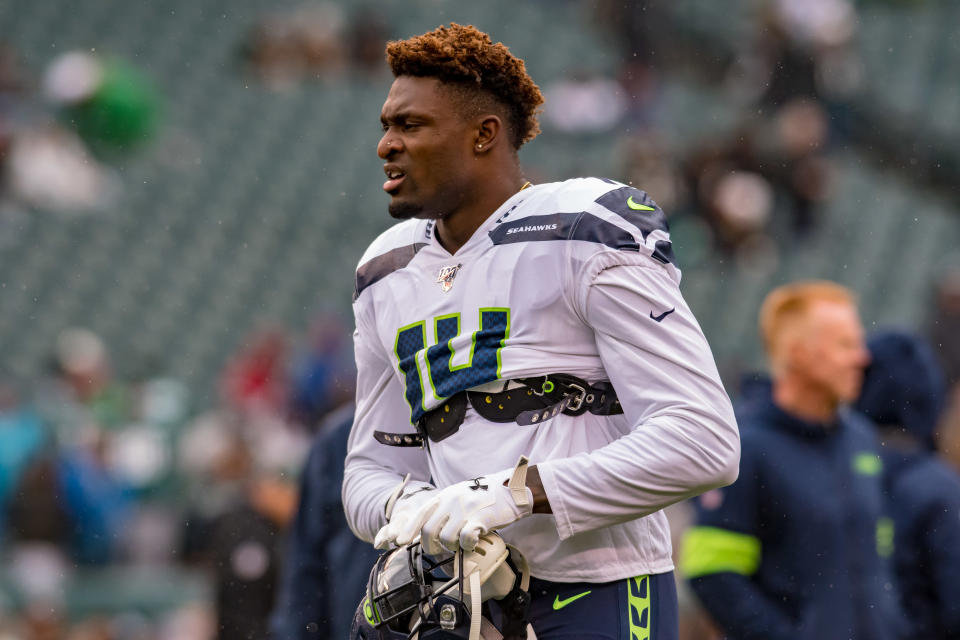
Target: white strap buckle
pixel 578 399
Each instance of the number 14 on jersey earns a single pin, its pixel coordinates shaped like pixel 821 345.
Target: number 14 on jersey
pixel 445 378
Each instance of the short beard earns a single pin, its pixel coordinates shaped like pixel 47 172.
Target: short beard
pixel 407 210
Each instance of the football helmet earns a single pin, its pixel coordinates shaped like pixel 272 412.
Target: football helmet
pixel 411 595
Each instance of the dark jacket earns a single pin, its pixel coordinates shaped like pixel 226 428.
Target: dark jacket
pixel 904 392
pixel 246 561
pixel 797 547
pixel 327 567
pixel 925 502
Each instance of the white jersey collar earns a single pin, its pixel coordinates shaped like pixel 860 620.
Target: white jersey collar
pixel 480 237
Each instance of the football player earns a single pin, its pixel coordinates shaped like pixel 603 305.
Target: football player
pixel 544 323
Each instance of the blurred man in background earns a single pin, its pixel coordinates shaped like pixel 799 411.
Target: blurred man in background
pixel 327 567
pixel 796 547
pixel 903 393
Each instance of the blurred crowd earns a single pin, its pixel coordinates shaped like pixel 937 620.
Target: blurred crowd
pixel 109 484
pixel 60 130
pixel 129 507
pixel 312 41
pixel 98 473
pixel 791 81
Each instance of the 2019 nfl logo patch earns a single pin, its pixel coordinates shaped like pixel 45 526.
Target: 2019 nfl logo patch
pixel 446 276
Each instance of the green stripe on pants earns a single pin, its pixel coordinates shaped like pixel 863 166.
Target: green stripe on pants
pixel 638 596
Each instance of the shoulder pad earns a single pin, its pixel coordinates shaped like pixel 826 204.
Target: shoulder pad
pixel 636 207
pixel 593 210
pixel 639 210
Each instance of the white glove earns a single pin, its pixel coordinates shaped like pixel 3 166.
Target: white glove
pixel 458 515
pixel 404 504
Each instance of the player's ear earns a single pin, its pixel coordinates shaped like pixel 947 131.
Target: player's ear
pixel 489 131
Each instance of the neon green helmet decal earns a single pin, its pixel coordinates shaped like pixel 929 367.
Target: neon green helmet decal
pixel 370 612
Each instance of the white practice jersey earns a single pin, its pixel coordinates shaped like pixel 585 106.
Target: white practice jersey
pixel 574 277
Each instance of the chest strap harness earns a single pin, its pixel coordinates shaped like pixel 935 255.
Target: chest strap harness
pixel 526 401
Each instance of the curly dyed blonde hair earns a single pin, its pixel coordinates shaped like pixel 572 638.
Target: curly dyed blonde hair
pixel 466 57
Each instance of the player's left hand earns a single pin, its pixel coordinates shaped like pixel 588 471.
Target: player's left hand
pixel 458 515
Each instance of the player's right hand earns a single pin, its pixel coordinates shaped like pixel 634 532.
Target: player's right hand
pixel 455 517
pixel 401 509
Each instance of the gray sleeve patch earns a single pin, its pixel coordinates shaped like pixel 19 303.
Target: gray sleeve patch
pixel 383 265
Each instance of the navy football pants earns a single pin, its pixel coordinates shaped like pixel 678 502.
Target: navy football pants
pixel 640 608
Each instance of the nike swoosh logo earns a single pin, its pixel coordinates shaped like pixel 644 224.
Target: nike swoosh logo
pixel 638 207
pixel 662 315
pixel 560 604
